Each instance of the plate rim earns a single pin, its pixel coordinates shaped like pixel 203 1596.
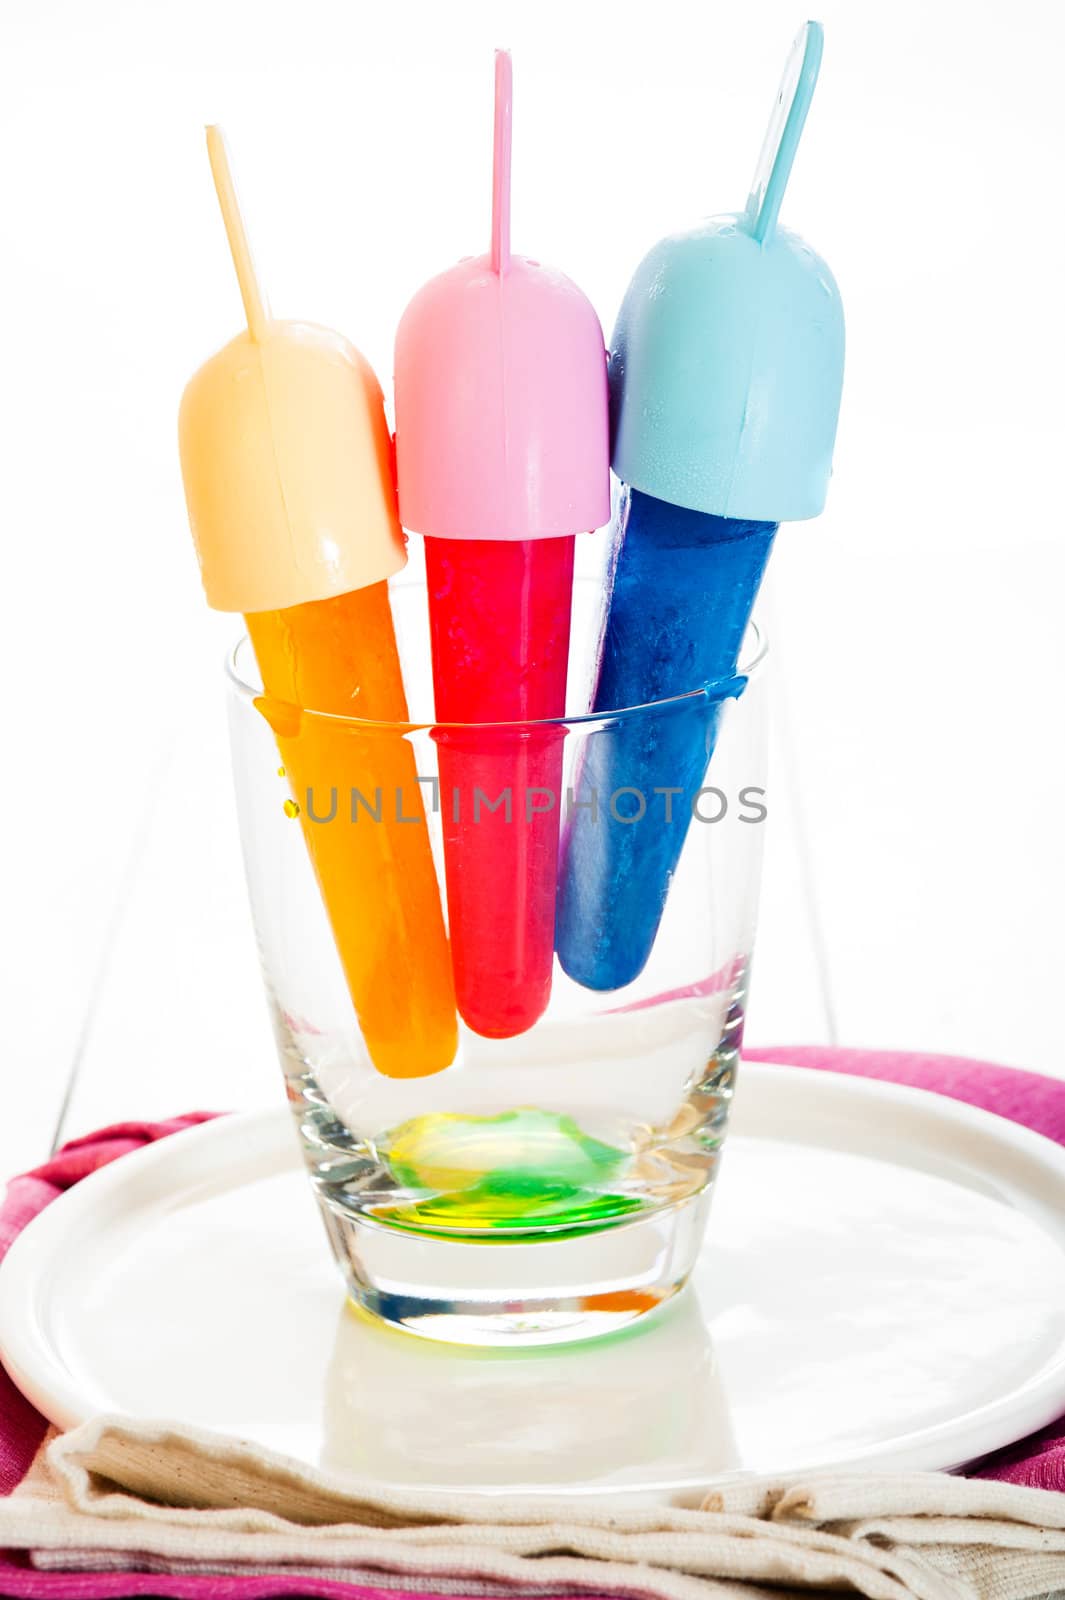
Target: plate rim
pixel 268 1135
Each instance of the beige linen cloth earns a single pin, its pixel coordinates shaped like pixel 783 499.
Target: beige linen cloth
pixel 119 1494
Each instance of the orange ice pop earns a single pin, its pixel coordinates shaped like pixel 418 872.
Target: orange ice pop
pixel 286 460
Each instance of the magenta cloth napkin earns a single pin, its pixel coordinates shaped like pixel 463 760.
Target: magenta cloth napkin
pixel 1025 1097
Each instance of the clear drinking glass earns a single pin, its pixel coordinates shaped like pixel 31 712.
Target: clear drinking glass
pixel 553 1185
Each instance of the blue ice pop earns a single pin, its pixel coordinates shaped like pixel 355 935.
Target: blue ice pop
pixel 675 564
pixel 726 368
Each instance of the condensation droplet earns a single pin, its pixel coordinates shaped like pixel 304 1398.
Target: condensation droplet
pixel 291 808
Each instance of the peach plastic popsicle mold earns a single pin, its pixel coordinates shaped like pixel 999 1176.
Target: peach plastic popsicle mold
pixel 286 461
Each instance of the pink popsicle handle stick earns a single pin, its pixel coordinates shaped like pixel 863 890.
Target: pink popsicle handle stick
pixel 501 163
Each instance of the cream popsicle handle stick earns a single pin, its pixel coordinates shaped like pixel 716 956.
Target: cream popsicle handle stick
pixel 501 164
pixel 256 309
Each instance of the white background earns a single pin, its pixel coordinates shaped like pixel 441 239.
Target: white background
pixel 915 865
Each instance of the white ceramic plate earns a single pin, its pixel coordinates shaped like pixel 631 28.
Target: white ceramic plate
pixel 884 1284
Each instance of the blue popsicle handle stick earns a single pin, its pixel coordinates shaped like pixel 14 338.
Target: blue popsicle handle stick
pixel 784 132
pixel 683 586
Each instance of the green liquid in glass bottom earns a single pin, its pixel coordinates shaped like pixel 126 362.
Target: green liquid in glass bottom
pixel 518 1170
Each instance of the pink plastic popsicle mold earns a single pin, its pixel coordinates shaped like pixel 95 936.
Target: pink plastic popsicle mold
pixel 501 400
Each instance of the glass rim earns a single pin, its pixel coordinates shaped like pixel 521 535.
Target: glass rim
pixel 715 690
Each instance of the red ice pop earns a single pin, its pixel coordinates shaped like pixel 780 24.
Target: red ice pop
pixel 502 458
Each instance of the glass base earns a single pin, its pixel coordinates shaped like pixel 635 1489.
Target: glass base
pixel 564 1218
pixel 514 1292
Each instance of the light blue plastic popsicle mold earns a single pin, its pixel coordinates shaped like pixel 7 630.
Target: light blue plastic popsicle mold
pixel 726 363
